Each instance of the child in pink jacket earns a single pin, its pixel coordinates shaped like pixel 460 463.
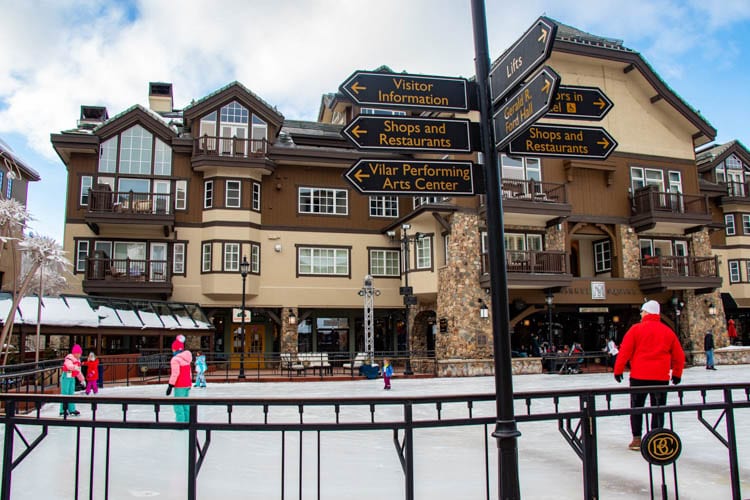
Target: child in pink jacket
pixel 180 378
pixel 71 370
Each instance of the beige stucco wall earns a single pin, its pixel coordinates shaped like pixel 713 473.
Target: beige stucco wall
pixel 633 112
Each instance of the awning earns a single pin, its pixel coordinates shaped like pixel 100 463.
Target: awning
pixel 728 301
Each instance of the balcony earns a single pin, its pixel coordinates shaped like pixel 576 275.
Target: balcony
pixel 533 203
pixel 108 207
pixel 130 277
pixel 229 151
pixel 680 273
pixel 662 212
pixel 531 269
pixel 738 193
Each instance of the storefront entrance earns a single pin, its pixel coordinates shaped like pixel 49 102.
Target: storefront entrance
pixel 254 346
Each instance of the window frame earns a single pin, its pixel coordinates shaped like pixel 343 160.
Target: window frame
pixel 730 227
pixel 207 257
pixel 322 198
pixel 602 256
pixel 384 205
pixel 83 199
pixel 178 264
pixel 380 268
pixel 208 194
pixel 323 248
pixel 238 191
pixel 734 265
pixel 256 197
pixel 82 258
pixel 423 253
pixel 227 253
pixel 180 202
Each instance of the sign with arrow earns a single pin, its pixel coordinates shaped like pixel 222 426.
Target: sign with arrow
pixel 400 90
pixel 525 56
pixel 585 143
pixel 431 177
pixel 525 107
pixel 396 133
pixel 579 103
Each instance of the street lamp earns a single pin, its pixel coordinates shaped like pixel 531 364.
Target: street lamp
pixel 406 291
pixel 548 300
pixel 369 292
pixel 244 270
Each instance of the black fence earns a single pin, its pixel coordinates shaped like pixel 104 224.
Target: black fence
pixel 103 429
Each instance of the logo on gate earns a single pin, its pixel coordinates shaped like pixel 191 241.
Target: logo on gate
pixel 661 447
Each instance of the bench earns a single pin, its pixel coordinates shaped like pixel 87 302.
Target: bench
pixel 316 360
pixel 291 364
pixel 360 359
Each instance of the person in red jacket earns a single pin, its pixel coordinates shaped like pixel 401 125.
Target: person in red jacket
pixel 181 377
pixel 653 350
pixel 92 373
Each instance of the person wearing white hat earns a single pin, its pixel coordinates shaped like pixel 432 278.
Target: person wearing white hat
pixel 655 356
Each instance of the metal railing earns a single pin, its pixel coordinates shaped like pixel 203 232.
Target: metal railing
pixel 139 270
pixel 651 201
pixel 687 266
pixel 229 146
pixel 129 203
pixel 531 261
pixel 534 191
pixel 575 413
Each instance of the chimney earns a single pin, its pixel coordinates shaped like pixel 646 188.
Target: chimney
pixel 160 97
pixel 92 116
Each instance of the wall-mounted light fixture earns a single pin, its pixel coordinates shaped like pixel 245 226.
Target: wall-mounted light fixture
pixel 711 308
pixel 484 311
pixel 615 319
pixel 277 247
pixel 292 318
pixel 526 322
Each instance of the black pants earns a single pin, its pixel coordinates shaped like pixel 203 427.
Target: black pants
pixel 638 400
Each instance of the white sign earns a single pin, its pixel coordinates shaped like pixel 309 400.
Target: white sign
pixel 237 315
pixel 598 290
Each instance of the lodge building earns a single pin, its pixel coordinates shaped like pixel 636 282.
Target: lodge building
pixel 167 204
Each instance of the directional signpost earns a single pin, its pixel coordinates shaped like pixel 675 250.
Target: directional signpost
pixel 579 103
pixel 524 107
pixel 395 133
pixel 585 143
pixel 518 62
pixel 400 90
pixel 432 177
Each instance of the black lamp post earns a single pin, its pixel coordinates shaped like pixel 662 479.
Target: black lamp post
pixel 407 293
pixel 548 300
pixel 244 270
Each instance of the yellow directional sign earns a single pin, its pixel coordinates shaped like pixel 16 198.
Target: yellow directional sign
pixel 401 90
pixel 586 143
pixel 525 107
pixel 398 133
pixel 579 103
pixel 432 177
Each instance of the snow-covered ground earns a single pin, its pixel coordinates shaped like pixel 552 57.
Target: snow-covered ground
pixel 449 462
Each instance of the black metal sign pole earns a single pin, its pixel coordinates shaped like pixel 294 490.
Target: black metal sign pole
pixel 506 431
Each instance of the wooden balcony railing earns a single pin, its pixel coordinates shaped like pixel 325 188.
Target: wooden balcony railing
pixel 230 146
pixel 129 203
pixel 531 261
pixel 127 270
pixel 738 189
pixel 688 267
pixel 651 201
pixel 534 191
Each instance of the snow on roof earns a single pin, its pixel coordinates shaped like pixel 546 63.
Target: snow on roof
pixel 73 311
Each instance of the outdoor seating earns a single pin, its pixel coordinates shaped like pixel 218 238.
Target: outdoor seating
pixel 316 360
pixel 358 361
pixel 291 364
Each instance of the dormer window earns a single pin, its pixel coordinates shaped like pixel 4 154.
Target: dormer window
pixel 239 131
pixel 139 153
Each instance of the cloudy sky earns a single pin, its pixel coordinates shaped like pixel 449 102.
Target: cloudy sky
pixel 57 55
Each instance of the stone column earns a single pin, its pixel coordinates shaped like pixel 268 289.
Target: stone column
pixel 288 341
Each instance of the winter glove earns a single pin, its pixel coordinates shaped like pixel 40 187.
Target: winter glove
pixel 676 380
pixel 618 378
pixel 169 389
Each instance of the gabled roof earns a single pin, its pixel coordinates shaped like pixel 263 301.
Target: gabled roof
pixel 136 114
pixel 228 92
pixel 6 152
pixel 707 158
pixel 574 41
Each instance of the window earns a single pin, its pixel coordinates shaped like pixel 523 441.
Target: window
pixel 2 174
pixel 9 189
pixel 82 253
pixel 86 183
pixel 423 249
pixel 382 112
pixel 206 257
pixel 602 256
pixel 384 206
pixel 326 261
pixel 256 196
pixel 322 201
pixel 729 225
pixel 208 194
pixel 446 247
pixel 233 194
pixel 162 158
pixel 135 151
pixel 231 257
pixel 430 200
pixel 734 271
pixel 526 169
pixel 259 133
pixel 180 196
pixel 642 177
pixel 255 258
pixel 746 223
pixel 108 156
pixel 178 258
pixel 384 262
